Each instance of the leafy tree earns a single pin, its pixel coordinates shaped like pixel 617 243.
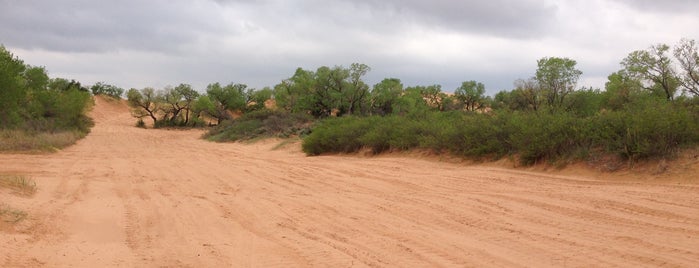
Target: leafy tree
pixel 384 95
pixel 36 78
pixel 556 77
pixel 189 95
pixel 296 94
pixel 62 84
pixel 688 57
pixel 228 98
pixel 620 90
pixel 107 89
pixel 256 99
pixel 144 103
pixel 471 95
pixel 357 91
pixel 12 86
pixel 653 67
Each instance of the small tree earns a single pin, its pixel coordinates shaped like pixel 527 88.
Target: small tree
pixel 557 77
pixel 688 57
pixel 384 95
pixel 471 95
pixel 653 67
pixel 144 103
pixel 106 89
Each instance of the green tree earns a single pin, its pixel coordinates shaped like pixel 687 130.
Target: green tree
pixel 357 91
pixel 12 88
pixel 384 95
pixel 653 67
pixel 36 78
pixel 228 98
pixel 557 77
pixel 471 95
pixel 144 103
pixel 189 95
pixel 106 89
pixel 256 99
pixel 620 90
pixel 688 57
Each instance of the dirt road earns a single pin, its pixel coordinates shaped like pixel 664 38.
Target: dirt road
pixel 130 197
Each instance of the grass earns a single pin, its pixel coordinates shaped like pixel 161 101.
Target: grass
pixel 18 140
pixel 19 184
pixel 11 215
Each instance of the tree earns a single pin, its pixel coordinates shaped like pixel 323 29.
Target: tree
pixel 384 95
pixel 296 94
pixel 471 95
pixel 653 67
pixel 226 99
pixel 144 103
pixel 12 88
pixel 106 89
pixel 620 89
pixel 36 78
pixel 688 57
pixel 357 91
pixel 189 95
pixel 556 77
pixel 256 99
pixel 527 95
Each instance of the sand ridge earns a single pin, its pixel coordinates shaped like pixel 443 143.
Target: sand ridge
pixel 130 197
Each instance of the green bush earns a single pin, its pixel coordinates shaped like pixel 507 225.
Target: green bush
pixel 261 123
pixel 653 128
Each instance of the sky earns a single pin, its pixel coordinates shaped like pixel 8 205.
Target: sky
pixel 156 43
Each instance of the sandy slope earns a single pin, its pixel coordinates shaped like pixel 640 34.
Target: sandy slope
pixel 152 198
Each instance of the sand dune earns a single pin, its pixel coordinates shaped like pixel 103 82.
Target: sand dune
pixel 131 197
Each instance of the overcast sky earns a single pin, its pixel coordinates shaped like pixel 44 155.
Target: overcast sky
pixel 135 43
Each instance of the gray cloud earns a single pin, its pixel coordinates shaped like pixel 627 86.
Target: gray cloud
pixel 667 6
pixel 154 43
pixel 87 26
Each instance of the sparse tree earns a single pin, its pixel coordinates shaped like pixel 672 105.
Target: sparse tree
pixel 144 103
pixel 688 57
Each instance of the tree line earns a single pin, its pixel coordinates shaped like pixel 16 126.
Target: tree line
pixel 31 101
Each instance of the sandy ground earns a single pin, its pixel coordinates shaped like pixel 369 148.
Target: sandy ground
pixel 130 197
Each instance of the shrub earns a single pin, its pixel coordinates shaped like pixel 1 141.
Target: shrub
pixel 654 128
pixel 261 123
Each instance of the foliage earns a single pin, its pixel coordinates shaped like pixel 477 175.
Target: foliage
pixel 34 109
pixel 653 68
pixel 687 55
pixel 471 95
pixel 261 123
pixel 556 77
pixel 101 88
pixel 144 103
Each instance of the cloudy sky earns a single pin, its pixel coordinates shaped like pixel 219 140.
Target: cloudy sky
pixel 134 43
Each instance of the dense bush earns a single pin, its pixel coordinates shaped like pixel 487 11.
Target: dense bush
pixel 655 128
pixel 261 123
pixel 647 129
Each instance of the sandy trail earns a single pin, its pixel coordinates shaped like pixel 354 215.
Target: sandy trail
pixel 130 197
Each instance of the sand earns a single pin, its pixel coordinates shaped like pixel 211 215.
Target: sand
pixel 130 197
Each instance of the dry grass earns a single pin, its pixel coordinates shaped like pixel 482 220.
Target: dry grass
pixel 17 140
pixel 20 185
pixel 11 215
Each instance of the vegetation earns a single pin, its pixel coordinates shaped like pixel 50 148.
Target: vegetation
pixel 639 115
pixel 21 185
pixel 38 112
